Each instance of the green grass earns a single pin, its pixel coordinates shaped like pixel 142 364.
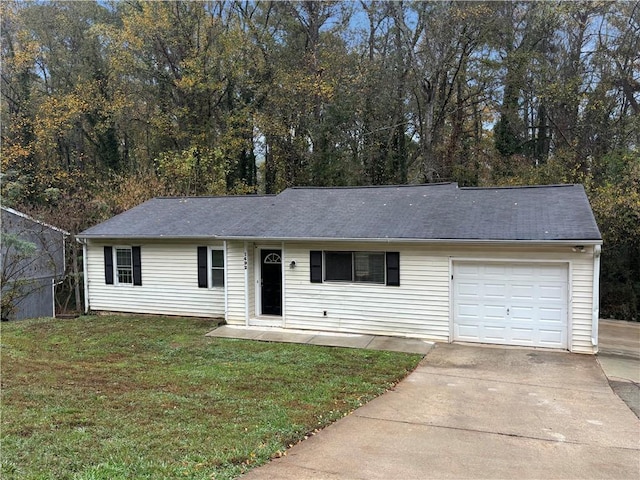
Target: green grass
pixel 124 397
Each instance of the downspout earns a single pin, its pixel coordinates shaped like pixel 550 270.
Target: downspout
pixel 246 286
pixel 226 283
pixel 53 297
pixel 597 250
pixel 85 275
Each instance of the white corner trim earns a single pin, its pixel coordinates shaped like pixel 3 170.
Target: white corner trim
pixel 597 250
pixel 85 276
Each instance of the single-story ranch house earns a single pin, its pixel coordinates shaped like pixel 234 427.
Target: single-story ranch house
pixel 510 266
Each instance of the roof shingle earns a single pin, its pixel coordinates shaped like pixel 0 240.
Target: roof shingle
pixel 416 212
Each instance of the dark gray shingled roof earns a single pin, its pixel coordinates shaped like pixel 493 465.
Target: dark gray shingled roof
pixel 415 212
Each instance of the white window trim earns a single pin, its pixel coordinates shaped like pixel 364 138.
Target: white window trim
pixel 116 277
pixel 353 280
pixel 210 268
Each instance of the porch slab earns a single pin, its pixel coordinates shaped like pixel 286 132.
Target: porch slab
pixel 348 341
pixel 283 336
pixel 329 339
pixel 397 344
pixel 224 331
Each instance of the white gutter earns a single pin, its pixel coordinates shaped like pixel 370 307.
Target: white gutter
pixel 368 240
pixel 597 250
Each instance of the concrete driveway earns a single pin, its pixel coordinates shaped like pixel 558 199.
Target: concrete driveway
pixel 479 412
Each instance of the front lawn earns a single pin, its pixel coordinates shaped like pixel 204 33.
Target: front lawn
pixel 123 397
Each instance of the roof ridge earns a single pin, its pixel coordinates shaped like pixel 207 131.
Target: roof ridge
pixel 520 187
pixel 353 187
pixel 196 197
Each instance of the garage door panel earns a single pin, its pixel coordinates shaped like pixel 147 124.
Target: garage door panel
pixel 550 338
pixel 523 336
pixel 495 290
pixel 469 269
pixel 468 311
pixel 553 293
pixel 495 333
pixel 552 274
pixel 524 292
pixel 552 315
pixel 512 304
pixel 469 290
pixel 493 271
pixel 468 331
pixel 494 312
pixel 522 273
pixel 522 315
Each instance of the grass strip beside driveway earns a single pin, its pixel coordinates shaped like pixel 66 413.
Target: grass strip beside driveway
pixel 120 397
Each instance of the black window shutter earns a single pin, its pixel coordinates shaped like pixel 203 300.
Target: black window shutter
pixel 203 280
pixel 137 265
pixel 108 265
pixel 316 266
pixel 393 269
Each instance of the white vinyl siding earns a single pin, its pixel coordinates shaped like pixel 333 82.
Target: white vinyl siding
pixel 236 294
pixel 169 283
pixel 418 307
pixel 582 304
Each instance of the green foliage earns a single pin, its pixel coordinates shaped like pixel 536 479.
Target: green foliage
pixel 151 397
pixel 15 253
pixel 193 172
pixel 613 187
pixel 616 204
pixel 17 246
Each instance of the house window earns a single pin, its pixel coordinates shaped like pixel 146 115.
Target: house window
pixel 381 268
pixel 210 267
pixel 359 267
pixel 368 267
pixel 124 265
pixel 217 268
pixel 338 266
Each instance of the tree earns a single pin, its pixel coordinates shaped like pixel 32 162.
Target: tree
pixel 17 257
pixel 141 98
pixel 30 253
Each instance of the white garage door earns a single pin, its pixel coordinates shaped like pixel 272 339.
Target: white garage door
pixel 510 304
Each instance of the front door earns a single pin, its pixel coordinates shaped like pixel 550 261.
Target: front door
pixel 271 282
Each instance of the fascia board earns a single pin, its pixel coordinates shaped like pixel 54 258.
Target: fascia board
pixel 333 239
